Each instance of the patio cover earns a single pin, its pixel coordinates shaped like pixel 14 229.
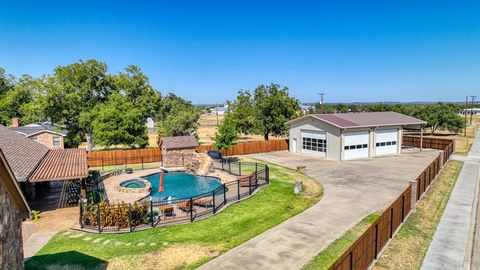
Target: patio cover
pixel 61 164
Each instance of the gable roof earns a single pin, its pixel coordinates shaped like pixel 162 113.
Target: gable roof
pixel 364 119
pixel 179 142
pixel 22 154
pixel 8 180
pixel 35 128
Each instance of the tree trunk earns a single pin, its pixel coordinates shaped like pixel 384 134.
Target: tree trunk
pixel 90 143
pixel 265 136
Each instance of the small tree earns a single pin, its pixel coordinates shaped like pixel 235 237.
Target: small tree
pixel 227 135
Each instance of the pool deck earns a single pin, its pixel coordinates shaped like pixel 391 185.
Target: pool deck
pixel 115 196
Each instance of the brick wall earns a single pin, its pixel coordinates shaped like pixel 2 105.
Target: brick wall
pixel 11 248
pixel 46 139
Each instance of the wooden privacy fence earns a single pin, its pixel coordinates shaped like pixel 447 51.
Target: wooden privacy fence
pixel 121 157
pixel 365 250
pixel 149 155
pixel 252 147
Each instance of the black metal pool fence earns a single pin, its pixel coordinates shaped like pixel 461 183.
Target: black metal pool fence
pixel 152 212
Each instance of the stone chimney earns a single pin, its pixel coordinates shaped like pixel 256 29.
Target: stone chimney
pixel 15 122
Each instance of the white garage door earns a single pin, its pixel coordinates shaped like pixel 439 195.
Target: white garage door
pixel 356 144
pixel 386 142
pixel 314 142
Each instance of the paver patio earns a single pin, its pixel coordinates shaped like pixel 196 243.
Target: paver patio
pixel 353 190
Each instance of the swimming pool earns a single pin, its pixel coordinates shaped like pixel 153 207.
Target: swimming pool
pixel 181 185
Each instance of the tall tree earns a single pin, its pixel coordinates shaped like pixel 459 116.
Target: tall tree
pixel 134 85
pixel 227 135
pixel 273 108
pixel 176 117
pixel 118 122
pixel 242 112
pixel 73 93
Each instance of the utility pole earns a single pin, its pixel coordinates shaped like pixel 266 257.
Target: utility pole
pixel 465 114
pixel 216 109
pixel 321 102
pixel 471 110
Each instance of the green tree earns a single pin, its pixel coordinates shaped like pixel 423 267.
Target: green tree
pixel 73 93
pixel 118 122
pixel 6 82
pixel 227 135
pixel 439 117
pixel 273 108
pixel 23 100
pixel 135 85
pixel 242 112
pixel 176 117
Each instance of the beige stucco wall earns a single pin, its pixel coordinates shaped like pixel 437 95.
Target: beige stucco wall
pixel 46 138
pixel 332 132
pixel 335 137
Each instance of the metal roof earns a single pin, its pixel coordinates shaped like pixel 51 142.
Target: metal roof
pixel 62 164
pixel 34 128
pixel 364 119
pixel 179 142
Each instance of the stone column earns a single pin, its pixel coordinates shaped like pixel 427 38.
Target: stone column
pixel 413 198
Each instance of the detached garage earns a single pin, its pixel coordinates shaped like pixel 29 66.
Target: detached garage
pixel 346 136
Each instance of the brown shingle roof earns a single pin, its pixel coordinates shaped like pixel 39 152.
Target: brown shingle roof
pixel 8 181
pixel 22 154
pixel 62 164
pixel 366 119
pixel 179 142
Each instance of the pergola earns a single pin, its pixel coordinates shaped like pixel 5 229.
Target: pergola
pixel 61 164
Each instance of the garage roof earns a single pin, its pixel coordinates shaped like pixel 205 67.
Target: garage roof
pixel 364 119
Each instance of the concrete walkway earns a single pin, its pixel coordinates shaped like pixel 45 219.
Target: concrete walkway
pixel 353 190
pixel 450 247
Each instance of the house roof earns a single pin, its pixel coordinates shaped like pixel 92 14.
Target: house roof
pixel 364 119
pixel 22 153
pixel 9 182
pixel 35 128
pixel 34 162
pixel 179 142
pixel 62 164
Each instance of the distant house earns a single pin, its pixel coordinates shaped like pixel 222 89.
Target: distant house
pixel 13 209
pixel 46 133
pixel 473 111
pixel 219 110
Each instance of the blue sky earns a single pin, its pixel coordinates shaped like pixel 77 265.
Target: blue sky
pixel 206 51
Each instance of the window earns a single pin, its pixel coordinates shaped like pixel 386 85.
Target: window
pixel 313 144
pixel 379 144
pixel 56 141
pixel 357 146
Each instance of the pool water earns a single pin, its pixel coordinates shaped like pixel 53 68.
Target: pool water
pixel 134 183
pixel 181 185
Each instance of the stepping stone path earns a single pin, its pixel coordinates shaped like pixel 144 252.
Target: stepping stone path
pixel 77 236
pixel 141 244
pixel 118 243
pixel 66 233
pixel 152 244
pixel 106 242
pixel 87 238
pixel 128 244
pixel 98 240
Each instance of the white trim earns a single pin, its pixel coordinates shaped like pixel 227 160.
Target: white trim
pixel 41 131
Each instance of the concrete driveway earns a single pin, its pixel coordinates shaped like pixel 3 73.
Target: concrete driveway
pixel 353 190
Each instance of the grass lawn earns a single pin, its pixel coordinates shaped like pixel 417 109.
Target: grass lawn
pixel 330 254
pixel 182 246
pixel 408 248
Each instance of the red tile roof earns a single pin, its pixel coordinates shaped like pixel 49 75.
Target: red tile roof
pixel 365 119
pixel 62 164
